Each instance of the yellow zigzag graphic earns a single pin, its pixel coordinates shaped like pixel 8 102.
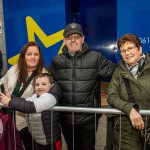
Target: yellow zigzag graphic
pixel 33 28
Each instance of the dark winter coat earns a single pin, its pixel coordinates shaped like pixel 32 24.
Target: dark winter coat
pixel 79 79
pixel 118 98
pixel 43 125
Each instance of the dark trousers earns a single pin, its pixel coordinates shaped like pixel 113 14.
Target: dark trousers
pixel 26 139
pixel 55 146
pixel 83 138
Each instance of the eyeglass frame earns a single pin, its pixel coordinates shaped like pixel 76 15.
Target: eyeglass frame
pixel 75 37
pixel 129 50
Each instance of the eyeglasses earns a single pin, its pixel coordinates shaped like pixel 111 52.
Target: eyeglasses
pixel 129 49
pixel 75 37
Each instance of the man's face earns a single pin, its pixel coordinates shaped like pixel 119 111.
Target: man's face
pixel 74 42
pixel 130 53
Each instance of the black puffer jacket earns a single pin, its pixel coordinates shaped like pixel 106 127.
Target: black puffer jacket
pixel 79 79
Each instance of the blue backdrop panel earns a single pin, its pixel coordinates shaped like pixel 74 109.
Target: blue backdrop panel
pixel 103 23
pixel 133 16
pixel 49 15
pixel 99 20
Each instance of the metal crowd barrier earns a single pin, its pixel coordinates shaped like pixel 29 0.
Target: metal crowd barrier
pixel 109 131
pixel 96 110
pixel 91 110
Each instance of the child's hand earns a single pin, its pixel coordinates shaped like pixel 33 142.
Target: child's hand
pixel 4 99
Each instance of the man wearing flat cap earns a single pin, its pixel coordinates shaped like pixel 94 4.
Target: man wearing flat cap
pixel 78 71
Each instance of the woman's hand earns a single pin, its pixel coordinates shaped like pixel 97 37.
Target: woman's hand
pixel 136 119
pixel 7 93
pixel 4 99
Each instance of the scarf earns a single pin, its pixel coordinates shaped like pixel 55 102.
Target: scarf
pixel 137 68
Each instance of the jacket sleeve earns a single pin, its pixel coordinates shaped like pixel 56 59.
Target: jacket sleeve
pixel 9 79
pixel 22 105
pixel 44 102
pixel 106 67
pixel 117 95
pixel 4 79
pixel 56 92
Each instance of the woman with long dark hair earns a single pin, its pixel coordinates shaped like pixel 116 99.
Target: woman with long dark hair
pixel 30 63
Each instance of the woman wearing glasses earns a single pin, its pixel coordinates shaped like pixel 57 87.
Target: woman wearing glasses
pixel 129 91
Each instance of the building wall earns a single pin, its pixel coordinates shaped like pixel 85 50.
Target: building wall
pixel 2 39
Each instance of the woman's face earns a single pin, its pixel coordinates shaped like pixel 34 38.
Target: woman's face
pixel 130 53
pixel 32 57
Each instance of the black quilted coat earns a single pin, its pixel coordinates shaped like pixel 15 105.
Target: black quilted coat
pixel 79 79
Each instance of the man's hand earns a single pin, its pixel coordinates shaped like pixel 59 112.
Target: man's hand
pixel 4 99
pixel 136 119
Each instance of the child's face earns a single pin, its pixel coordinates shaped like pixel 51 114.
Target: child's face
pixel 42 85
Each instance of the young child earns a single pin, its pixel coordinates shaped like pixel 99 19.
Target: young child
pixel 42 122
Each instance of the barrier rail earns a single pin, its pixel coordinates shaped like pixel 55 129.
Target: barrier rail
pixel 108 110
pixel 91 110
pixel 102 111
pixel 95 110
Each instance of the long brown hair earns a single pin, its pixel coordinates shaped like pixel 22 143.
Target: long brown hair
pixel 22 67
